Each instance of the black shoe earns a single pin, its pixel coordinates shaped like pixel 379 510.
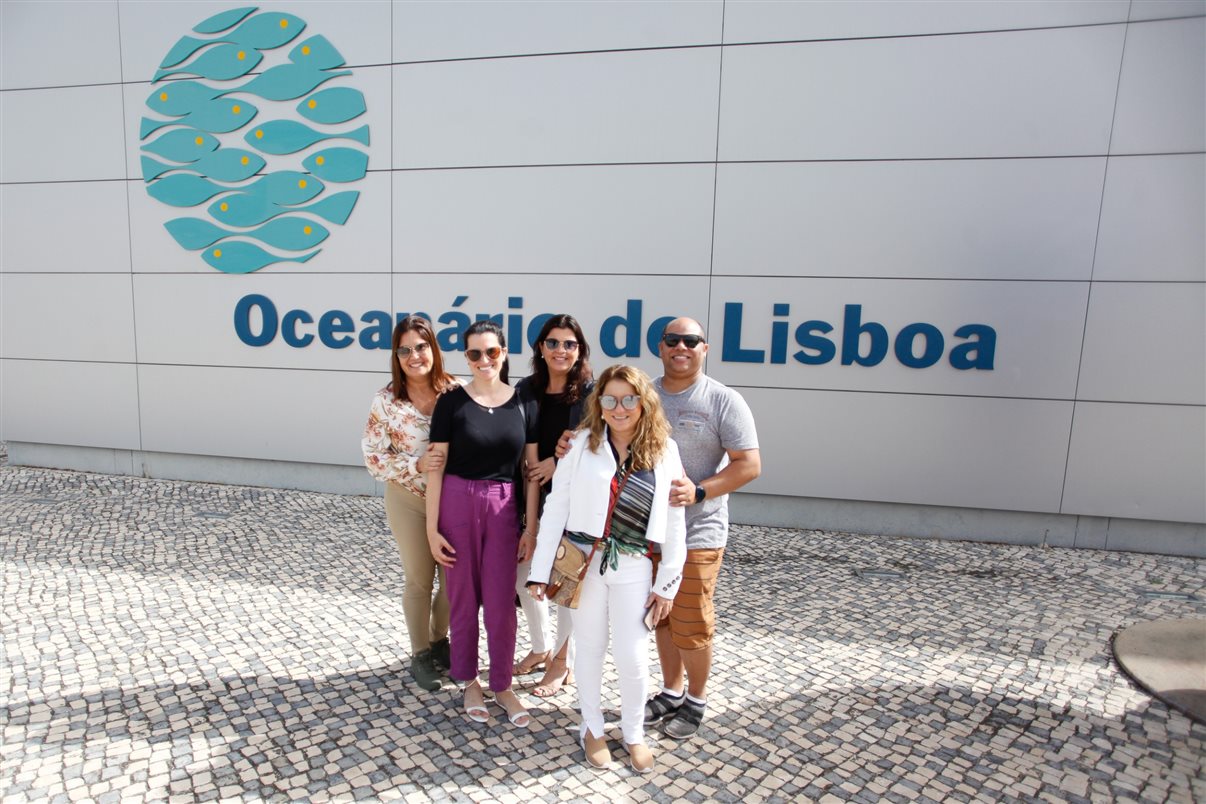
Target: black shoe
pixel 440 654
pixel 662 706
pixel 424 671
pixel 685 722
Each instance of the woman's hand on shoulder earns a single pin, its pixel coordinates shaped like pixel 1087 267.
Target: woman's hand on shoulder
pixel 563 444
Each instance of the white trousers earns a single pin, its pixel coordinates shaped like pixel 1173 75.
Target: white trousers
pixel 615 602
pixel 536 612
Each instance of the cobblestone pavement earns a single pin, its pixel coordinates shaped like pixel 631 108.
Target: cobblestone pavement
pixel 187 641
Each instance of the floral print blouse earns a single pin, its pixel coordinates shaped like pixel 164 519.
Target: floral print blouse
pixel 395 437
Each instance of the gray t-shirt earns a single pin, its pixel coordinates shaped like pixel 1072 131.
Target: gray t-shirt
pixel 708 419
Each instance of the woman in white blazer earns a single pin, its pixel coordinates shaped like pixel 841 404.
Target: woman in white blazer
pixel 612 491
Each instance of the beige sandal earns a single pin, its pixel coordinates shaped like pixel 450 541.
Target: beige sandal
pixel 531 663
pixel 554 680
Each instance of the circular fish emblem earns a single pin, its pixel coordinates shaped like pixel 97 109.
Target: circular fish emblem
pixel 254 130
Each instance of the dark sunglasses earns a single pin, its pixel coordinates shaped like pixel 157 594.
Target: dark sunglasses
pixel 609 402
pixel 673 339
pixel 418 348
pixel 553 343
pixel 475 355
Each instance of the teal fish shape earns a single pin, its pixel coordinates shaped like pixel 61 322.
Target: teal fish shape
pixel 182 145
pixel 245 210
pixel 217 116
pixel 289 233
pixel 181 97
pixel 337 164
pixel 225 164
pixel 185 190
pixel 289 136
pixel 316 53
pixel 334 105
pixel 261 32
pixel 286 82
pixel 220 63
pixel 223 20
pixel 237 257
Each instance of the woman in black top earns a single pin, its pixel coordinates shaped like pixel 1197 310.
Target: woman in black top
pixel 474 510
pixel 560 381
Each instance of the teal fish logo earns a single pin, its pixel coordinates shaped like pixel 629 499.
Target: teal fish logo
pixel 231 130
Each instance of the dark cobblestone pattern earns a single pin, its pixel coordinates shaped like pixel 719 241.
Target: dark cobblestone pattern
pixel 194 642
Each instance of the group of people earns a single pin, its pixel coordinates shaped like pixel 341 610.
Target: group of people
pixel 484 480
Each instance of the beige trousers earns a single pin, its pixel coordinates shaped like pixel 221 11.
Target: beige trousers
pixel 426 616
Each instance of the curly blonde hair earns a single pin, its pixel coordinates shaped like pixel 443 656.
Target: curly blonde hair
pixel 652 430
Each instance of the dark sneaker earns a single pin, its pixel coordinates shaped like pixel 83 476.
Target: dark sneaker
pixel 424 671
pixel 662 706
pixel 440 654
pixel 685 722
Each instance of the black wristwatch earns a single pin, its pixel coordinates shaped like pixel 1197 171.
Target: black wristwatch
pixel 700 493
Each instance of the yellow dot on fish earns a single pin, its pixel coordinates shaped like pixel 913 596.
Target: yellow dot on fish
pixel 224 206
pixel 162 96
pixel 236 109
pixel 242 54
pixel 199 141
pixel 217 252
pixel 259 133
pixel 307 229
pixel 313 103
pixel 245 160
pixel 302 183
pixel 284 23
pixel 320 160
pixel 305 50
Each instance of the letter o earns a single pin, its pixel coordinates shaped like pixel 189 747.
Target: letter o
pixel 933 345
pixel 268 320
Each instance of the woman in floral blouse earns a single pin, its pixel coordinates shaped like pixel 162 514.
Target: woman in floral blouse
pixel 396 451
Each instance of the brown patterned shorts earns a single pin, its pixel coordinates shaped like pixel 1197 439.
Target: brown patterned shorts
pixel 692 621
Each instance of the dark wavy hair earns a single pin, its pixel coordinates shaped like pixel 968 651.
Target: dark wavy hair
pixel 579 375
pixel 481 328
pixel 441 380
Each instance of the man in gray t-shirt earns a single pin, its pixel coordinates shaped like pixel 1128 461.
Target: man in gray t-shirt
pixel 716 438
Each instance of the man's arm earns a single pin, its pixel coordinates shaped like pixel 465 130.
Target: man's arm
pixel 744 465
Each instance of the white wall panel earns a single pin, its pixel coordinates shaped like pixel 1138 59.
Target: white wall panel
pixel 1153 219
pixel 598 302
pixel 646 106
pixel 1137 462
pixel 1159 9
pixel 632 219
pixel 1030 218
pixel 359 246
pixel 1027 93
pixel 1006 454
pixel 1038 326
pixel 67 316
pixel 441 30
pixel 359 29
pixel 776 20
pixel 1145 343
pixel 55 44
pixel 1162 91
pixel 203 307
pixel 76 226
pixel 61 134
pixel 253 413
pixel 83 404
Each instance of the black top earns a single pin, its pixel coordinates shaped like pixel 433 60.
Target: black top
pixel 483 443
pixel 554 420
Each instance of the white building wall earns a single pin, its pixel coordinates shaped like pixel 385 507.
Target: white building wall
pixel 1039 168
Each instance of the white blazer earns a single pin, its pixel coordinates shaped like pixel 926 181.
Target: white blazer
pixel 579 501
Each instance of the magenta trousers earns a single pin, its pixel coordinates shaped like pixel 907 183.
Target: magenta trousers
pixel 480 519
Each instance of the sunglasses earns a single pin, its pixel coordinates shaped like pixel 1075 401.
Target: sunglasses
pixel 418 348
pixel 609 402
pixel 553 343
pixel 475 355
pixel 673 339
